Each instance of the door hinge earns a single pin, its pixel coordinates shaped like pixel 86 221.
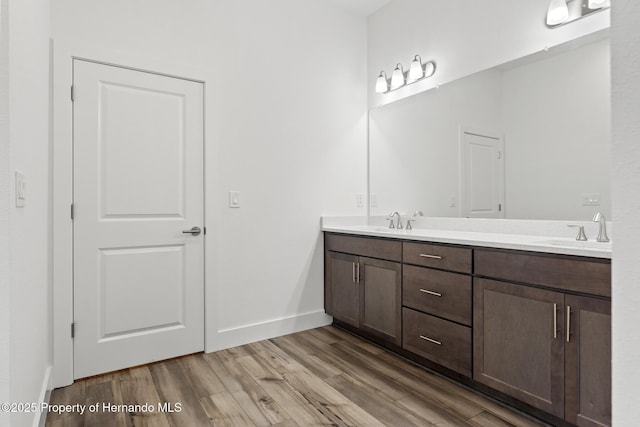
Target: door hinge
pixel 72 94
pixel 204 230
pixel 73 329
pixel 499 155
pixel 499 207
pixel 72 211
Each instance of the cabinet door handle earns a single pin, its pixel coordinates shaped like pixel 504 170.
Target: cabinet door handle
pixel 358 273
pixel 555 320
pixel 568 323
pixel 431 256
pixel 353 272
pixel 437 294
pixel 430 340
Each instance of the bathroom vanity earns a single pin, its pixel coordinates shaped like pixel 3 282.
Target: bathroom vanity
pixel 526 319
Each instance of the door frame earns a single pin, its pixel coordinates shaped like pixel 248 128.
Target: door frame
pixel 462 160
pixel 64 51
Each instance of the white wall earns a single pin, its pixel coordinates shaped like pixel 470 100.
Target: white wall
pixel 286 127
pixel 625 53
pixel 414 144
pixel 28 233
pixel 5 305
pixel 557 116
pixel 462 36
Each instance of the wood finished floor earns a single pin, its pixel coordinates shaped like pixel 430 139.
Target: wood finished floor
pixel 323 376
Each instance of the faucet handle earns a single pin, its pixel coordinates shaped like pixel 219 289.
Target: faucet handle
pixel 390 219
pixel 581 236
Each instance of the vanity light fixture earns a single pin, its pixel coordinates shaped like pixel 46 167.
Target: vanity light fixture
pixel 558 12
pixel 417 71
pixel 382 83
pixel 565 11
pixel 397 77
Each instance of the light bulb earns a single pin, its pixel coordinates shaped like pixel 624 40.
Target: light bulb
pixel 415 70
pixel 558 12
pixel 397 78
pixel 382 85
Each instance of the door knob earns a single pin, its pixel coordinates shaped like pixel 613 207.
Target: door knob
pixel 194 231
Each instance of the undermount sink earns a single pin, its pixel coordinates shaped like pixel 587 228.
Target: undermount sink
pixel 589 244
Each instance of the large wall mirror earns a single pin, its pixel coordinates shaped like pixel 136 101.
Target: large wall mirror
pixel 530 139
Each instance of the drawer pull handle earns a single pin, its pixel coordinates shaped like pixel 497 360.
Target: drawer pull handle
pixel 430 340
pixel 431 256
pixel 437 294
pixel 555 320
pixel 569 333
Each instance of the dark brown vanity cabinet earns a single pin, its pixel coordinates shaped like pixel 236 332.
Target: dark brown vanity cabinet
pixel 342 299
pixel 361 289
pixel 518 343
pixel 546 347
pixel 532 326
pixel 588 362
pixel 436 295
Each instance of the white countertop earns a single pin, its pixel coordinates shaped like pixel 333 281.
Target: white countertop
pixel 524 242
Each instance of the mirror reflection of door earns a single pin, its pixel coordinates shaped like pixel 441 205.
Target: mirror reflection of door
pixel 482 175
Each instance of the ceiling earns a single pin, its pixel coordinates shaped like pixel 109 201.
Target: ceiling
pixel 362 7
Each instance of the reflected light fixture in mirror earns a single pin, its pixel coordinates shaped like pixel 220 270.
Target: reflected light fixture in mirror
pixel 599 4
pixel 397 78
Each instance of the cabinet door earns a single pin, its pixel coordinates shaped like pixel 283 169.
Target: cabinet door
pixel 518 343
pixel 588 361
pixel 381 299
pixel 342 298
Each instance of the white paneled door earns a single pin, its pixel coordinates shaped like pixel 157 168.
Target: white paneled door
pixel 138 186
pixel 482 167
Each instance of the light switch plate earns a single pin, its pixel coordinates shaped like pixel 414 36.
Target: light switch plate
pixel 21 187
pixel 234 199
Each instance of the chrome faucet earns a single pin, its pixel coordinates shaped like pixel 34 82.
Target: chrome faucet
pixel 602 232
pixel 415 214
pixel 398 224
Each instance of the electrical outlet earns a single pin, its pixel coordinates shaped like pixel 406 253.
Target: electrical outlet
pixel 590 200
pixel 373 202
pixel 359 200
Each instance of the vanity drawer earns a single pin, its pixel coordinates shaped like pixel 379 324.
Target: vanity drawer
pixel 440 341
pixel 365 246
pixel 438 256
pixel 588 275
pixel 437 292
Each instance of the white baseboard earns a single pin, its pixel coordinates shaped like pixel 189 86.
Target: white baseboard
pixel 43 397
pixel 246 334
